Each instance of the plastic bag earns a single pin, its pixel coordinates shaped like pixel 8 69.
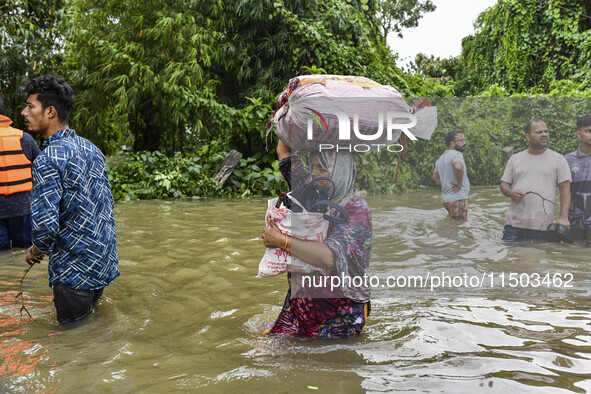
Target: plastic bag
pixel 307 226
pixel 307 112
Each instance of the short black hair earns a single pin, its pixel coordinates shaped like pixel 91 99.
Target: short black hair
pixel 528 125
pixel 2 108
pixel 450 137
pixel 583 121
pixel 52 90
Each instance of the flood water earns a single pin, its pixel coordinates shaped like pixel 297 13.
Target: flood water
pixel 188 312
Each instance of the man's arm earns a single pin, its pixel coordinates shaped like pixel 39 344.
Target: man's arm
pixel 515 195
pixel 30 147
pixel 564 189
pixel 459 173
pixel 436 178
pixel 47 194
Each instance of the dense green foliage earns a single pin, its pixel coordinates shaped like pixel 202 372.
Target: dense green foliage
pixel 28 44
pixel 140 68
pixel 188 76
pixel 528 44
pixel 176 74
pixel 178 83
pixel 153 175
pixel 521 47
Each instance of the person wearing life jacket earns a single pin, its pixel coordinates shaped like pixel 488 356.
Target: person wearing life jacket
pixel 17 152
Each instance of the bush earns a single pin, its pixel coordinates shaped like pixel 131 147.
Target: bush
pixel 153 175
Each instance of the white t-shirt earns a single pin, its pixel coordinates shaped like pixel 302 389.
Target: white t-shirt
pixel 535 173
pixel 445 168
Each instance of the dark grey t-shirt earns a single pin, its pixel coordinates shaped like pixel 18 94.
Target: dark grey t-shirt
pixel 579 213
pixel 19 204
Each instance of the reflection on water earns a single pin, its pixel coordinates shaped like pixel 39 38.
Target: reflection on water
pixel 187 312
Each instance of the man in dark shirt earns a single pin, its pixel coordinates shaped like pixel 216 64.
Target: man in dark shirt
pixel 579 162
pixel 17 151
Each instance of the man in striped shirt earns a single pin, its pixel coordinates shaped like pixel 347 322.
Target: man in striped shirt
pixel 72 207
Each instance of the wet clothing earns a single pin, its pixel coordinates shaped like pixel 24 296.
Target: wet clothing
pixel 579 213
pixel 73 305
pixel 318 310
pixel 445 168
pixel 514 234
pixel 19 204
pixel 539 175
pixel 16 230
pixel 322 317
pixel 15 208
pixel 458 210
pixel 72 213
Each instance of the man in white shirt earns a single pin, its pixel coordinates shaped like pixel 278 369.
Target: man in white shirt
pixel 530 180
pixel 450 172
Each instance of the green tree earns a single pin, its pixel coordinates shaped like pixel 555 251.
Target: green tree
pixel 525 45
pixel 142 67
pixel 269 42
pixel 29 44
pixel 398 14
pixel 177 74
pixel 440 70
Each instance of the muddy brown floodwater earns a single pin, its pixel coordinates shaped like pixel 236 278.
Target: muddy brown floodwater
pixel 188 312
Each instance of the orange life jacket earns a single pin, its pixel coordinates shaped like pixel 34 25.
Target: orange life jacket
pixel 15 168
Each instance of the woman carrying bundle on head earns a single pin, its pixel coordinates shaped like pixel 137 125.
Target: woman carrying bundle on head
pixel 337 304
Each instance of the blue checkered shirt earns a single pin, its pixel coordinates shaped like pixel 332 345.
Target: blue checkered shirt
pixel 72 212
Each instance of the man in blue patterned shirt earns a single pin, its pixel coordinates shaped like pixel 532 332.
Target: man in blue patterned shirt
pixel 72 208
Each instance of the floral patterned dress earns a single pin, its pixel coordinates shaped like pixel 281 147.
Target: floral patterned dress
pixel 327 311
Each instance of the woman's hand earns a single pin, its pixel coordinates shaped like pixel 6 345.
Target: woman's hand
pixel 315 253
pixel 273 237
